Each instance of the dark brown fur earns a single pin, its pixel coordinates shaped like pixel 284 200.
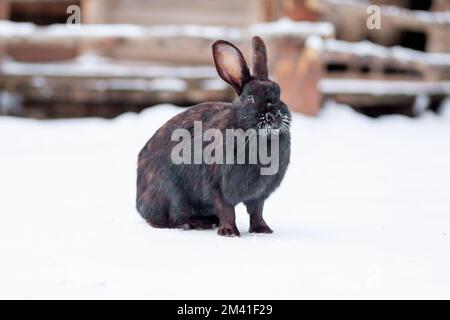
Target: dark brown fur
pixel 201 196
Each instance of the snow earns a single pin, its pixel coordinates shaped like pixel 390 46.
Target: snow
pixel 91 66
pixel 438 17
pixel 10 29
pixel 421 103
pixel 164 84
pixel 383 87
pixel 125 75
pixel 10 103
pixel 213 84
pixel 445 108
pixel 364 212
pixel 427 17
pixel 370 49
pixel 284 26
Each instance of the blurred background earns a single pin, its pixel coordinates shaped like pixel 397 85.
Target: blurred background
pixel 129 55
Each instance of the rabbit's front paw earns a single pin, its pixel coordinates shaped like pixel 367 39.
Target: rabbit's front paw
pixel 228 230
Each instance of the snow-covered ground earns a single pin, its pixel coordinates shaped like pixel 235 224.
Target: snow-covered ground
pixel 364 212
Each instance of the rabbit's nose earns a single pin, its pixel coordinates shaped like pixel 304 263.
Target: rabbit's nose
pixel 271 117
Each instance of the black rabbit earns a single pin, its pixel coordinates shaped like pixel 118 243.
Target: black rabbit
pixel 200 195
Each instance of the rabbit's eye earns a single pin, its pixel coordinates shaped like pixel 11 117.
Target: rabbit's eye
pixel 251 99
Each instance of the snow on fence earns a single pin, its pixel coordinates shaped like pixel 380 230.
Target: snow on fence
pixel 364 74
pixel 94 80
pixel 403 16
pixel 174 63
pixel 178 55
pixel 383 88
pixel 369 49
pixel 11 32
pixel 431 29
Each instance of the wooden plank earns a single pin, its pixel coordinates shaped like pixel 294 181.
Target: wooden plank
pixel 299 10
pixel 4 14
pixel 42 52
pixel 94 11
pixel 44 12
pixel 349 17
pixel 111 83
pixel 298 71
pixel 401 17
pixel 438 40
pixel 4 9
pixel 184 44
pixel 370 101
pixel 375 61
pixel 235 13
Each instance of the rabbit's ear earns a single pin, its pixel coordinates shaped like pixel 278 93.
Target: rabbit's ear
pixel 260 71
pixel 231 65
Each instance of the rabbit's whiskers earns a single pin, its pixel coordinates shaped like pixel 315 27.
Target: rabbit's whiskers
pixel 268 122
